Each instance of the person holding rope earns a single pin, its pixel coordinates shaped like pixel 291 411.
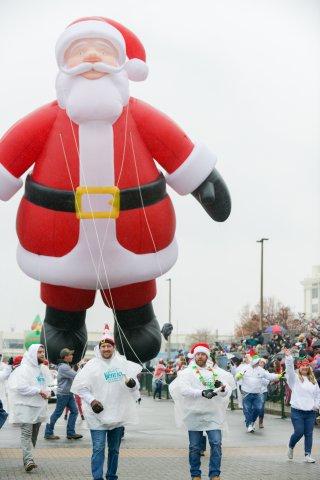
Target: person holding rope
pixel 305 402
pixel 28 399
pixel 201 396
pixel 65 398
pixel 109 387
pixel 252 386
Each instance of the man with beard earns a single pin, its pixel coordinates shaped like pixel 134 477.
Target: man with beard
pixel 201 395
pixel 28 399
pixel 109 387
pixel 95 214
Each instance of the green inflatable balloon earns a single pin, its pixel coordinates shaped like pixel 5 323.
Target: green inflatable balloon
pixel 31 337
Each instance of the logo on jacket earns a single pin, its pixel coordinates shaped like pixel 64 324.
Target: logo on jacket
pixel 113 375
pixel 40 379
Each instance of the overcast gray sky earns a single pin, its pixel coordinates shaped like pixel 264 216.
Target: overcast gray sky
pixel 241 75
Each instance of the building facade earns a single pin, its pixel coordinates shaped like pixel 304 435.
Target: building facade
pixel 311 286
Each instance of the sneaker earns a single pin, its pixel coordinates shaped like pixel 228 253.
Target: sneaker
pixel 250 428
pixel 309 459
pixel 75 436
pixel 52 437
pixel 290 453
pixel 30 466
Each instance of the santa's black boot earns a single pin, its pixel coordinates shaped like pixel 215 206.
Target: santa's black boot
pixel 62 329
pixel 139 337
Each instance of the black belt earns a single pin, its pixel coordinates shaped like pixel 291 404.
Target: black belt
pixel 64 200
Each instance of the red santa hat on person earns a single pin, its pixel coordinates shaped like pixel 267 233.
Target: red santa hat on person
pixel 199 348
pixel 107 336
pixel 126 43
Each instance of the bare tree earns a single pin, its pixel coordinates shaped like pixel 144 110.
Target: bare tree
pixel 275 313
pixel 200 335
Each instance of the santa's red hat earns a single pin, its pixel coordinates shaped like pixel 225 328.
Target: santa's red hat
pixel 107 336
pixel 199 347
pixel 126 43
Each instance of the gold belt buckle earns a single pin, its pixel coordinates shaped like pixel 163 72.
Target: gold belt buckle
pixel 115 202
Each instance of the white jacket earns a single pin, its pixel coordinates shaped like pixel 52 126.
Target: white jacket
pixel 254 377
pixel 104 380
pixel 193 410
pixel 305 395
pixel 25 383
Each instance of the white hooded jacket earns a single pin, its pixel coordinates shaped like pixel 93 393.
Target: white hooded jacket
pixel 25 383
pixel 104 380
pixel 192 410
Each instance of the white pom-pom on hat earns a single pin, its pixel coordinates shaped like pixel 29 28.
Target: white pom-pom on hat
pixel 136 69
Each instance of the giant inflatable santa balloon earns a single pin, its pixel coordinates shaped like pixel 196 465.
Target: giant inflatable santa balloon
pixel 95 214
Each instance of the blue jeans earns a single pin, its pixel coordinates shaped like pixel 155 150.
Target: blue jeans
pixel 158 388
pixel 303 424
pixel 195 447
pixel 265 396
pixel 252 404
pixel 3 415
pixel 63 401
pixel 98 438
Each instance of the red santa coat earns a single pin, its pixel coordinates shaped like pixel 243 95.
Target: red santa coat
pixel 51 142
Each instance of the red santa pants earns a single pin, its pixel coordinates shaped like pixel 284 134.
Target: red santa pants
pixel 120 298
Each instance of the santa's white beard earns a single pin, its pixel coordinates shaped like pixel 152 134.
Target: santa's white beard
pixel 88 100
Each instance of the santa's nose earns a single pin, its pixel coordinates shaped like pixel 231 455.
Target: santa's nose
pixel 92 57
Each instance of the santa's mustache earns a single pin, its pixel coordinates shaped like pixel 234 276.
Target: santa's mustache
pixel 88 67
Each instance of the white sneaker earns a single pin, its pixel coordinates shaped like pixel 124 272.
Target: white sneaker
pixel 290 453
pixel 253 427
pixel 309 459
pixel 250 428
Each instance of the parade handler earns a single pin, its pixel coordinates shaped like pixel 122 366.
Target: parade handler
pixel 109 387
pixel 28 399
pixel 201 397
pixel 253 381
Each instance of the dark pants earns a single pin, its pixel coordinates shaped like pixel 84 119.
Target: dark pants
pixel 3 415
pixel 252 407
pixel 158 389
pixel 195 448
pixel 63 401
pixel 303 424
pixel 98 438
pixel 265 395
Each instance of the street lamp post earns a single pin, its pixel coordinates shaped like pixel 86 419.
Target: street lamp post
pixel 261 281
pixel 169 339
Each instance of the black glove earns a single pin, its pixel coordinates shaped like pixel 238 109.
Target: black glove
pixel 10 361
pixel 217 384
pixel 208 393
pixel 131 383
pixel 96 406
pixel 214 196
pixel 166 330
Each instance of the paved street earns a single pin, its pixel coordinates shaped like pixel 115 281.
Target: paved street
pixel 156 450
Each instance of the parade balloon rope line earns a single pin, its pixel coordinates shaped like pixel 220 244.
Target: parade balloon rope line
pixel 87 241
pixel 121 333
pixel 143 207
